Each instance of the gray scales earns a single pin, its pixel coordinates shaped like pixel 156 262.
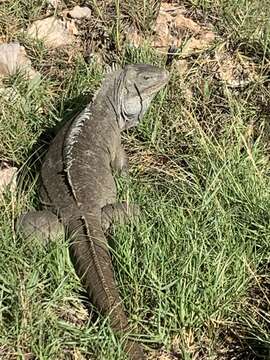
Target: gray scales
pixel 78 188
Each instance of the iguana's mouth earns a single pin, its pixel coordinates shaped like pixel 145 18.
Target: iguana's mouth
pixel 155 88
pixel 162 82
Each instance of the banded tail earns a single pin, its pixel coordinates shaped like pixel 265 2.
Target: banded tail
pixel 94 267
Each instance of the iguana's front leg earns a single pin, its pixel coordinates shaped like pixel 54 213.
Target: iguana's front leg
pixel 43 225
pixel 120 162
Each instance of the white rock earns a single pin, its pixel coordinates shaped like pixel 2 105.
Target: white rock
pixel 8 179
pixel 79 12
pixel 55 32
pixel 13 58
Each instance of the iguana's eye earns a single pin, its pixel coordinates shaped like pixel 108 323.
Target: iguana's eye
pixel 146 77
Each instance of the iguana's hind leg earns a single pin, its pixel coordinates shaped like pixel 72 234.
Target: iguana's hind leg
pixel 43 225
pixel 118 213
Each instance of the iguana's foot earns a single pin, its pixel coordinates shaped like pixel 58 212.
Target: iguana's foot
pixel 43 225
pixel 119 213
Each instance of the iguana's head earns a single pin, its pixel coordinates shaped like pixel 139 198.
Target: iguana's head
pixel 136 87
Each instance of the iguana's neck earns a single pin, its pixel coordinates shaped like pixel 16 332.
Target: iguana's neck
pixel 108 97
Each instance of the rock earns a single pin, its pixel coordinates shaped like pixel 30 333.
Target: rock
pixel 234 69
pixel 8 177
pixel 79 12
pixel 175 29
pixel 54 32
pixel 133 37
pixel 13 58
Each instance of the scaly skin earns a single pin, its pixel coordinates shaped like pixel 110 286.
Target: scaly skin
pixel 78 186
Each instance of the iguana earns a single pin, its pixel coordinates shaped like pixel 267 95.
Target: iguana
pixel 77 184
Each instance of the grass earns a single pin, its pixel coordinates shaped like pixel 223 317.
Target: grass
pixel 193 270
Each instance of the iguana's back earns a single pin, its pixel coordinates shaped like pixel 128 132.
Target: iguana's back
pixel 84 157
pixel 53 187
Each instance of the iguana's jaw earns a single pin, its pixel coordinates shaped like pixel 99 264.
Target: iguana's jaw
pixel 149 93
pixel 163 78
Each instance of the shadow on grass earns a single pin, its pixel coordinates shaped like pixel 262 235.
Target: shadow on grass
pixel 68 111
pixel 248 339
